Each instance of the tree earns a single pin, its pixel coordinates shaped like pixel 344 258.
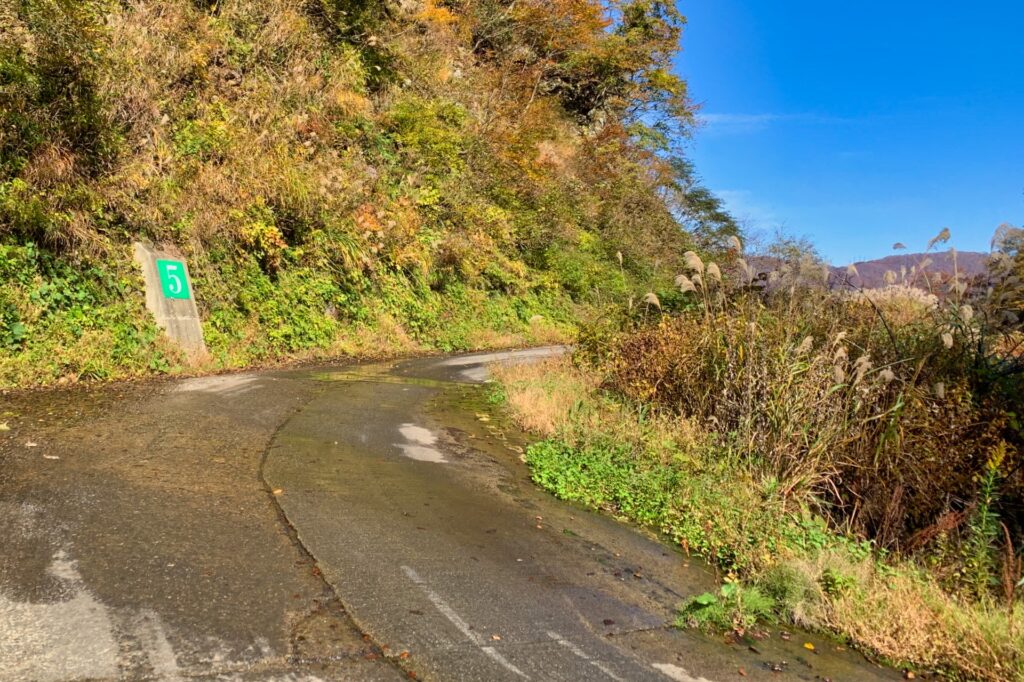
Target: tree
pixel 603 64
pixel 697 209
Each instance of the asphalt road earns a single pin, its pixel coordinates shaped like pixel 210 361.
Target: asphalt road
pixel 359 522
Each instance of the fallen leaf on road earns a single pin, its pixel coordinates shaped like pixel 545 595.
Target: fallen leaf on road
pixel 496 638
pixel 4 427
pixel 278 491
pixel 404 655
pixel 50 457
pixel 742 672
pixel 808 646
pixel 30 444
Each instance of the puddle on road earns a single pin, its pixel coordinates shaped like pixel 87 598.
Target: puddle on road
pixel 376 373
pixel 419 444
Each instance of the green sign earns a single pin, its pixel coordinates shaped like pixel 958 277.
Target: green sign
pixel 172 279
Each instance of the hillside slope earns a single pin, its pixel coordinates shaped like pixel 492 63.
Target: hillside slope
pixel 343 177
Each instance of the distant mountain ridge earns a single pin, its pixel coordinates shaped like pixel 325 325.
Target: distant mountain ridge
pixel 871 273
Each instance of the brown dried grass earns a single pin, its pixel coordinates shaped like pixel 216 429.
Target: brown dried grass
pixel 541 395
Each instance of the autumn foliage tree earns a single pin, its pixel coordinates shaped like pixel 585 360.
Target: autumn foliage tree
pixel 603 64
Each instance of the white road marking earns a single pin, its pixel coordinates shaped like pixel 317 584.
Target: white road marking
pixel 582 654
pixel 676 673
pixel 225 385
pixel 417 434
pixel 74 636
pixel 477 365
pixel 421 453
pixel 489 650
pixel 456 620
pixel 443 607
pixel 158 649
pixel 67 639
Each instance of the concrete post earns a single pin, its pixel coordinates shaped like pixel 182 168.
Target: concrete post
pixel 170 298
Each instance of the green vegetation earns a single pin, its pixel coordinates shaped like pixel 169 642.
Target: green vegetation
pixel 734 607
pixel 849 460
pixel 343 177
pixel 378 177
pixel 87 311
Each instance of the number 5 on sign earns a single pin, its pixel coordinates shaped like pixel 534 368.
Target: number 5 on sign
pixel 172 279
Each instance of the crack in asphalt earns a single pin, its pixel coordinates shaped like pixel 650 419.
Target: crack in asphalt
pixel 292 533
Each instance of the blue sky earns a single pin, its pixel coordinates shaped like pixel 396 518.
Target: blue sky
pixel 861 124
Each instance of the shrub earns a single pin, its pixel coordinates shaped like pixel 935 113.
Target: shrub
pixel 50 55
pixel 64 321
pixel 881 428
pixel 432 133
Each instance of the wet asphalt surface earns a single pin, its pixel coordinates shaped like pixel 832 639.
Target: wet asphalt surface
pixel 360 522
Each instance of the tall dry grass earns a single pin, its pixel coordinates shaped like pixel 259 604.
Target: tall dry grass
pixel 882 412
pixel 543 406
pixel 723 507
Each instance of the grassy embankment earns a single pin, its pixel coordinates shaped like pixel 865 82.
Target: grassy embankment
pixel 849 465
pixel 343 178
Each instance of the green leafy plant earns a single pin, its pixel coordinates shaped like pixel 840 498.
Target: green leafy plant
pixel 735 607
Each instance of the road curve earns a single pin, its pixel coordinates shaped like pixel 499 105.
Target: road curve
pixel 412 498
pixel 365 522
